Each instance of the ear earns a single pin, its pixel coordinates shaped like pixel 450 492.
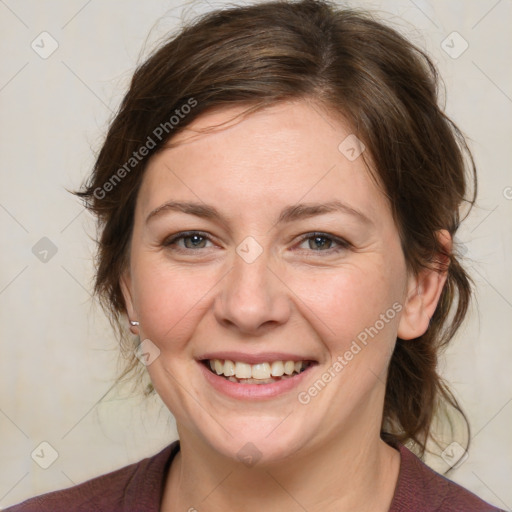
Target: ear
pixel 423 292
pixel 126 288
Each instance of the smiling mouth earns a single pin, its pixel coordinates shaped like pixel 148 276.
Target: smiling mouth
pixel 261 373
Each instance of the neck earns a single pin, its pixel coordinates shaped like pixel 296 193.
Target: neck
pixel 353 472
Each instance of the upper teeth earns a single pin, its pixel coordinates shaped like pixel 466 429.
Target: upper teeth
pixel 255 371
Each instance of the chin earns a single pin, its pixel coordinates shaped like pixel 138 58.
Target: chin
pixel 259 441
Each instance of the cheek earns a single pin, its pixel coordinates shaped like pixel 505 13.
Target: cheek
pixel 346 303
pixel 169 301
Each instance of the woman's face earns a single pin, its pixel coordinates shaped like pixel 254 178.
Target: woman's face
pixel 288 252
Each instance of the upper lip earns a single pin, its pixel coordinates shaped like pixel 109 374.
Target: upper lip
pixel 261 357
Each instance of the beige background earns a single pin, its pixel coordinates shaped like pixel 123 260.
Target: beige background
pixel 58 355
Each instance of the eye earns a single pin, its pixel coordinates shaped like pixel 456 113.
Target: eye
pixel 191 240
pixel 317 242
pixel 323 242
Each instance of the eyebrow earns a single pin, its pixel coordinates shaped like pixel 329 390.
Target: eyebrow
pixel 287 215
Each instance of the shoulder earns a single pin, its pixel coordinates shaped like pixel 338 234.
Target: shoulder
pixel 134 487
pixel 421 488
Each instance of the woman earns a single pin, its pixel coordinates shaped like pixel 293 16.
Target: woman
pixel 278 197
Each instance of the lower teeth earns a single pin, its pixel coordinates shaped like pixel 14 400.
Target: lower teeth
pixel 259 381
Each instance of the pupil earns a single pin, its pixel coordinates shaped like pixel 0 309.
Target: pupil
pixel 194 239
pixel 319 239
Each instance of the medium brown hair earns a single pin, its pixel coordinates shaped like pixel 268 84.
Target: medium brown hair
pixel 351 65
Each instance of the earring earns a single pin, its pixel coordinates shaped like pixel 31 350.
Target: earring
pixel 134 323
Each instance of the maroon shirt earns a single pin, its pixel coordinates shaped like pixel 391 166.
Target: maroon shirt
pixel 139 488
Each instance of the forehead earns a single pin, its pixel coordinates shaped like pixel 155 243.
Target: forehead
pixel 288 153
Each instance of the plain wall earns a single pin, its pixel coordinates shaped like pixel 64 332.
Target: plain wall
pixel 58 354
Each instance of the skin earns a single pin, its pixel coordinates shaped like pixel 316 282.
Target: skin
pixel 298 297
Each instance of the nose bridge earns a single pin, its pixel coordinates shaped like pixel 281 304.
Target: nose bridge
pixel 252 295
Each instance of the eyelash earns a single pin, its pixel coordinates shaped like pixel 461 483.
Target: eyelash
pixel 342 244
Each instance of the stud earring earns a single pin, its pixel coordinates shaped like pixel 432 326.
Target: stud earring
pixel 134 323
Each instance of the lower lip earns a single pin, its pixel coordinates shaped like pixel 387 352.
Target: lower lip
pixel 252 391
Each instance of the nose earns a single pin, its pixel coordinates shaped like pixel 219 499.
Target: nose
pixel 252 298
